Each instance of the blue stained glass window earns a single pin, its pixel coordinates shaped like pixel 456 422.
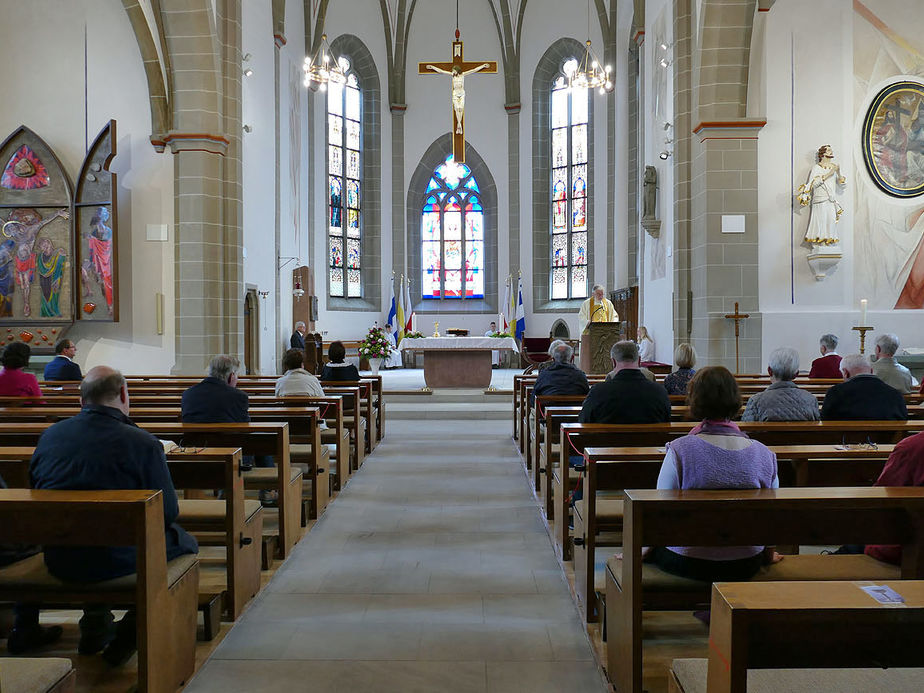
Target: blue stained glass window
pixel 344 117
pixel 452 235
pixel 569 156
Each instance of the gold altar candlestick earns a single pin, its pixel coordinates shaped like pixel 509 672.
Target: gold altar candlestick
pixel 862 331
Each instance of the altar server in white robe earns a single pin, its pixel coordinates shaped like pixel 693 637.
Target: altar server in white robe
pixel 495 355
pixel 393 360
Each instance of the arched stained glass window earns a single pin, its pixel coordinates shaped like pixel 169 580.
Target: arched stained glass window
pixel 344 181
pixel 452 235
pixel 568 262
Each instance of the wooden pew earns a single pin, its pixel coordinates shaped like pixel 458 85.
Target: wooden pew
pixel 252 438
pixel 539 429
pixel 550 454
pixel 808 625
pixel 352 420
pixel 577 437
pixel 239 523
pixel 164 595
pixel 607 472
pixel 742 518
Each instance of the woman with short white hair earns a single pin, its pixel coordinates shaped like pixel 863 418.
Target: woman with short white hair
pixel 783 400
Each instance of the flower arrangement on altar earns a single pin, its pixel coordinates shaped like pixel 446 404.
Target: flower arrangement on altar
pixel 499 335
pixel 375 345
pixel 414 335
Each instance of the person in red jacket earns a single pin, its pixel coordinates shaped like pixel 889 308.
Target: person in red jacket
pixel 905 467
pixel 829 365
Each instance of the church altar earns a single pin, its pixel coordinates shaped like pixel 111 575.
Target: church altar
pixel 458 361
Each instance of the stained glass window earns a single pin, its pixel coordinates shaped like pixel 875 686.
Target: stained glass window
pixel 452 235
pixel 569 159
pixel 344 134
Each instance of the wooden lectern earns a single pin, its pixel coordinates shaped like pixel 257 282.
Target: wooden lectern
pixel 596 342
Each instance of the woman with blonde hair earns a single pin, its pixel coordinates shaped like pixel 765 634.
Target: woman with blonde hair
pixel 685 358
pixel 646 346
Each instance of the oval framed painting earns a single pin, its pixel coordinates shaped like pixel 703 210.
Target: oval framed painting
pixel 893 139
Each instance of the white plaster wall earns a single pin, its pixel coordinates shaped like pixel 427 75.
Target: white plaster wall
pixel 810 102
pixel 52 96
pixel 258 111
pixel 657 286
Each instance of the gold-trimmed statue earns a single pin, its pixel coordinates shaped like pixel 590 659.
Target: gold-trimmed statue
pixel 820 191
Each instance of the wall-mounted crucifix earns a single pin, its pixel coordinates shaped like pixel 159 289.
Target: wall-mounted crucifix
pixel 458 69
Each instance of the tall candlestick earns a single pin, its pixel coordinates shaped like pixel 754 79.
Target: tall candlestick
pixel 863 304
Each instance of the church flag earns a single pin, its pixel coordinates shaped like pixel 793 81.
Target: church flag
pixel 393 311
pixel 521 313
pixel 399 311
pixel 408 307
pixel 512 308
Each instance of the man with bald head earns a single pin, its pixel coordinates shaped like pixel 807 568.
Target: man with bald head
pixel 102 449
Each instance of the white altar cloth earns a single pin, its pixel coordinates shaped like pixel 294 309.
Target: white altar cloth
pixel 488 343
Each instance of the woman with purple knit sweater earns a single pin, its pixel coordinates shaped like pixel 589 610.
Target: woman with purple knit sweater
pixel 715 455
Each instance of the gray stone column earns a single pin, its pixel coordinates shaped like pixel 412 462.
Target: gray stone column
pixel 724 266
pixel 513 184
pixel 398 225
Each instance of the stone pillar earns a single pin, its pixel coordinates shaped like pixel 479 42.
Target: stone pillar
pixel 513 185
pixel 683 126
pixel 398 226
pixel 206 144
pixel 724 266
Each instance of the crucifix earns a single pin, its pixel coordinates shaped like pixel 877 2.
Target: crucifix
pixel 737 317
pixel 458 69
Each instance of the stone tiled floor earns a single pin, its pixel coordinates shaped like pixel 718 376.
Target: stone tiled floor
pixel 431 572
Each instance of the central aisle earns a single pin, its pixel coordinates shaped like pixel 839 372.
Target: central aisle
pixel 432 571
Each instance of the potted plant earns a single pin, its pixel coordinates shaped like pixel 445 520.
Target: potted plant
pixel 375 347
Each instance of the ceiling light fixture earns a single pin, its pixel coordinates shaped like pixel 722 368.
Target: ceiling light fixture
pixel 323 67
pixel 590 74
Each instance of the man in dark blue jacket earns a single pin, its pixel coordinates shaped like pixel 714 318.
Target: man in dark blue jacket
pixel 862 396
pixel 627 396
pixel 62 366
pixel 101 448
pixel 217 400
pixel 562 377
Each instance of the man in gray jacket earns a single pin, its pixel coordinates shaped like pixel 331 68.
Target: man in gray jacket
pixel 887 369
pixel 783 400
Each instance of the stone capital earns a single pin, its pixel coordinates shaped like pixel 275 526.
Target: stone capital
pixel 193 142
pixel 732 129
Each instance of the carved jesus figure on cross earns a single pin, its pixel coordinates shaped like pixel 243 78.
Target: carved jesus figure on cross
pixel 458 89
pixel 458 69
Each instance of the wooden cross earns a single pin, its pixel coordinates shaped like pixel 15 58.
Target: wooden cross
pixel 458 68
pixel 737 317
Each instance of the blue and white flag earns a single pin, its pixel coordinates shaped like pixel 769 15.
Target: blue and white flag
pixel 521 313
pixel 393 312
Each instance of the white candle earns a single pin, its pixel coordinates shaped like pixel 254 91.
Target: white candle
pixel 863 304
pixel 500 322
pixel 414 322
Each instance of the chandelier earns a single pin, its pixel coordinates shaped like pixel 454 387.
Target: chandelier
pixel 323 67
pixel 590 73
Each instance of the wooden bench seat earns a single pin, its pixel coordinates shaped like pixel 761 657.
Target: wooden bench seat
pixel 822 625
pixel 37 675
pixel 689 676
pixel 742 518
pixel 163 594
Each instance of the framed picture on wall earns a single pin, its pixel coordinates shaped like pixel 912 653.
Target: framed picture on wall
pixel 893 139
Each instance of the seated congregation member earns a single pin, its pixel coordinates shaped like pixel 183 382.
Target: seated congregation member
pixel 685 358
pixel 216 399
pixel 335 368
pixel 101 448
pixel 626 396
pixel 887 369
pixel 829 365
pixel 716 454
pixel 296 380
pixel 62 366
pixel 14 381
pixel 905 467
pixel 783 400
pixel 562 377
pixel 862 396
